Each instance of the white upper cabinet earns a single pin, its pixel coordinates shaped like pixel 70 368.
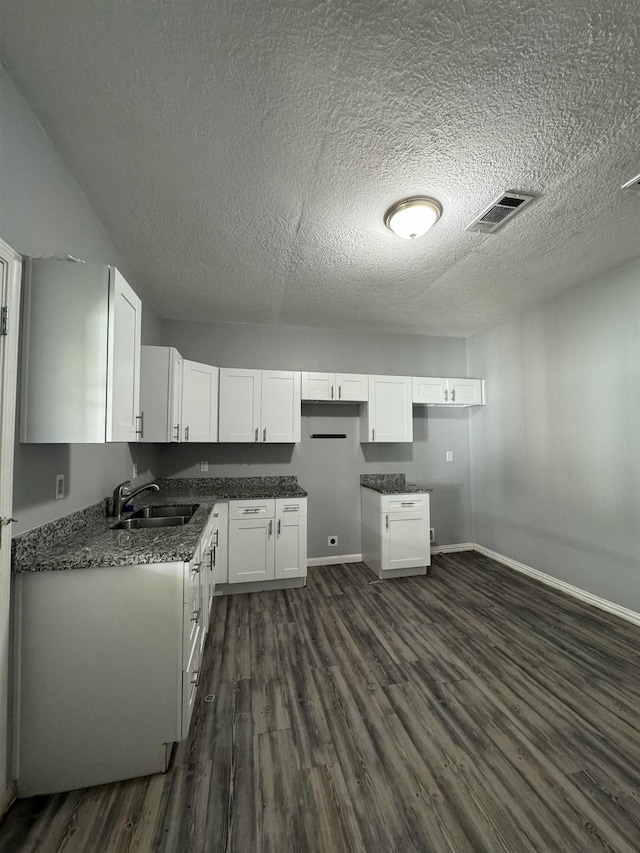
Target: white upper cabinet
pixel 161 393
pixel 81 330
pixel 436 391
pixel 336 387
pixel 388 416
pixel 281 420
pixel 199 402
pixel 260 406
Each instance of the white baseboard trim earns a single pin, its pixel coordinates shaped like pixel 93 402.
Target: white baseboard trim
pixel 451 549
pixel 334 561
pixel 563 586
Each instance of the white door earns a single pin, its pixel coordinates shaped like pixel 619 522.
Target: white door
pixel 466 392
pixel 390 408
pixel 199 401
pixel 124 421
pixel 10 271
pixel 318 386
pixel 240 398
pixel 404 540
pixel 251 550
pixel 281 417
pixel 429 389
pixel 353 387
pixel 291 546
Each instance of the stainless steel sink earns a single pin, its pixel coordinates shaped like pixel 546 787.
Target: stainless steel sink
pixel 140 523
pixel 166 511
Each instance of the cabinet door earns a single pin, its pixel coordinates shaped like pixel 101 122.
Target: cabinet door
pixel 240 399
pixel 389 415
pixel 220 543
pixel 318 386
pixel 429 390
pixel 175 397
pixel 199 402
pixel 352 387
pixel 291 538
pixel 251 550
pixel 280 406
pixel 465 392
pixel 405 542
pixel 161 393
pixel 124 422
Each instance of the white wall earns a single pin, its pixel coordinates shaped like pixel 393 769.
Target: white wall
pixel 329 469
pixel 43 212
pixel 555 453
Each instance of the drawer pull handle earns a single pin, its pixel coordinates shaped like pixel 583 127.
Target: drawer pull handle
pixel 291 508
pixel 407 503
pixel 249 510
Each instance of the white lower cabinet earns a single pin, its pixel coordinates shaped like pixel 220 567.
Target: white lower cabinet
pixel 395 533
pixel 267 539
pixel 108 664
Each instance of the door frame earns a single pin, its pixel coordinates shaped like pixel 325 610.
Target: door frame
pixel 9 298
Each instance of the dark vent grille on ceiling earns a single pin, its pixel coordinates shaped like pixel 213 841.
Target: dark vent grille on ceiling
pixel 499 211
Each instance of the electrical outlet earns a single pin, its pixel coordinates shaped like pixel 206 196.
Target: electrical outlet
pixel 432 535
pixel 135 470
pixel 59 486
pixel 204 466
pixel 449 456
pixel 332 541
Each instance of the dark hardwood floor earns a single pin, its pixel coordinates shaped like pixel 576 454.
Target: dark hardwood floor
pixel 470 710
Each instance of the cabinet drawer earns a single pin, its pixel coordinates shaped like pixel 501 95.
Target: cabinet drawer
pixel 192 622
pixel 403 503
pixel 190 681
pixel 260 508
pixel 291 507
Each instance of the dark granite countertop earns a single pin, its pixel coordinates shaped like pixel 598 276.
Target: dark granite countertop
pixel 86 540
pixel 391 484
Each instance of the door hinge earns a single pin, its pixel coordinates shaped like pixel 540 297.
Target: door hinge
pixel 4 320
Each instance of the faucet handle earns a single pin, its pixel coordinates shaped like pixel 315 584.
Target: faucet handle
pixel 123 488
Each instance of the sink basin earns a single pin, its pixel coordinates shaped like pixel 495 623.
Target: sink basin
pixel 141 523
pixel 183 510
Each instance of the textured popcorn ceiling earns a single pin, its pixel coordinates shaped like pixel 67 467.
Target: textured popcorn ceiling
pixel 242 154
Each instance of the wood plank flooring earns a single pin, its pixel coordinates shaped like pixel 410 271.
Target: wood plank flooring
pixel 470 710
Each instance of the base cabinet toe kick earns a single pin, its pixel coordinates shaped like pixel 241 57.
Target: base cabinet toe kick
pixel 395 533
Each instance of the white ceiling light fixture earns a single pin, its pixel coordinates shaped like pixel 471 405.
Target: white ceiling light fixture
pixel 412 217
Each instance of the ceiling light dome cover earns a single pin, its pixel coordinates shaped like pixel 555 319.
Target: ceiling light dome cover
pixel 412 217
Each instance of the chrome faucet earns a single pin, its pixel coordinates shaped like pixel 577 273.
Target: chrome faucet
pixel 122 494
